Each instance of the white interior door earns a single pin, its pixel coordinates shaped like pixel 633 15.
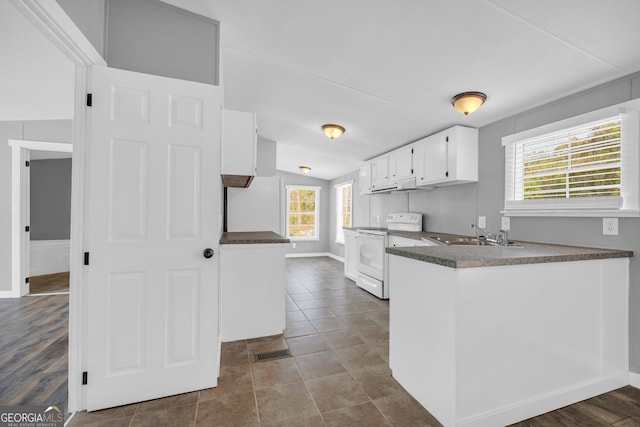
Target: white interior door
pixel 153 197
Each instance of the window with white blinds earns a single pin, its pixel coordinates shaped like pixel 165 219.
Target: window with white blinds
pixel 344 209
pixel 577 167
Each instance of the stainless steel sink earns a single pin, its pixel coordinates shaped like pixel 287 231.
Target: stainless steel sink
pixel 473 242
pixel 469 241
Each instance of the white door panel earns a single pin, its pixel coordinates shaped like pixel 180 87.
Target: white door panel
pixel 153 180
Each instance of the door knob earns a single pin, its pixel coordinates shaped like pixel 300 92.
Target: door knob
pixel 207 253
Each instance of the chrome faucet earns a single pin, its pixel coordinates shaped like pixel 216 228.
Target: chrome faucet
pixel 500 239
pixel 489 236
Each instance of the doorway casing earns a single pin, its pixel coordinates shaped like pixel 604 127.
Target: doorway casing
pixel 19 208
pixel 50 19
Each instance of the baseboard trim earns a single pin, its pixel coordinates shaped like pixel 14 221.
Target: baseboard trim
pixel 548 402
pixel 336 257
pixel 314 254
pixel 6 294
pixel 634 379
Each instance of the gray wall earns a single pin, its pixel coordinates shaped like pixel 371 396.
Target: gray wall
pixel 48 130
pixel 266 157
pixel 89 18
pixel 322 245
pixel 50 199
pixel 579 231
pixel 150 36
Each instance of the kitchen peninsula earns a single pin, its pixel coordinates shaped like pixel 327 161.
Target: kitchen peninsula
pixel 486 336
pixel 252 285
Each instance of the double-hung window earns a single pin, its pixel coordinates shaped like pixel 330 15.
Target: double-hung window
pixel 343 209
pixel 584 166
pixel 303 207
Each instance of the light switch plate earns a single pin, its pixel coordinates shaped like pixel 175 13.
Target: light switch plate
pixel 506 223
pixel 610 226
pixel 482 221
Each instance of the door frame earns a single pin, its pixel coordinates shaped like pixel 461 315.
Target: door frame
pixel 49 18
pixel 20 194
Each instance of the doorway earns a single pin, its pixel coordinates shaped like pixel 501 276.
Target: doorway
pixel 21 212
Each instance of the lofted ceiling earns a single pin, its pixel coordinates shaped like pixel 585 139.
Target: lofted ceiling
pixel 386 70
pixel 36 79
pixel 383 69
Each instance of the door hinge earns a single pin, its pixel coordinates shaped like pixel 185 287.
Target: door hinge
pixel 411 171
pixel 89 99
pixel 86 258
pixel 446 139
pixel 26 280
pixel 412 151
pixel 26 229
pixel 27 163
pixel 446 174
pixel 85 378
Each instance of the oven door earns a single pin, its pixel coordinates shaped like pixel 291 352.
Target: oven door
pixel 371 249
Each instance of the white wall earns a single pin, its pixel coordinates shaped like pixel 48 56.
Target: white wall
pixel 45 130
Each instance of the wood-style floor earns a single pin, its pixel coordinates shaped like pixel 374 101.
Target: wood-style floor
pixel 49 283
pixel 34 350
pixel 329 327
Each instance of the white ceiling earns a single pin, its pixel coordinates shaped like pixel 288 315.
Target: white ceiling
pixel 36 79
pixel 386 70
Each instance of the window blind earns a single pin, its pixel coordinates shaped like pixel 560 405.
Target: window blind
pixel 577 167
pixel 344 209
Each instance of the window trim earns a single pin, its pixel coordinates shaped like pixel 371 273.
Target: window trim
pixel 316 213
pixel 630 163
pixel 338 212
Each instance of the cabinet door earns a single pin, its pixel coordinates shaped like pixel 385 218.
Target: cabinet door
pixel 239 143
pixel 380 171
pixel 350 255
pixel 433 156
pixel 365 179
pixel 401 163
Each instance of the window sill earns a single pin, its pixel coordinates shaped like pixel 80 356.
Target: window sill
pixel 577 213
pixel 339 242
pixel 304 239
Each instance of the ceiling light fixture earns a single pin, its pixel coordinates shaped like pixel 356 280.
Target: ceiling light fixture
pixel 305 169
pixel 468 102
pixel 333 131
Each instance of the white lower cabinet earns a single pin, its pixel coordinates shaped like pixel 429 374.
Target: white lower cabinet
pixel 491 346
pixel 252 290
pixel 351 254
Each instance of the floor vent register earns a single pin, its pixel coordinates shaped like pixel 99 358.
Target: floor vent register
pixel 271 355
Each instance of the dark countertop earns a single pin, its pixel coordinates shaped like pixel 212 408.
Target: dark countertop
pixel 251 238
pixel 490 256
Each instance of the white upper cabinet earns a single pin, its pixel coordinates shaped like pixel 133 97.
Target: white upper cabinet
pixel 448 157
pixel 365 179
pixel 239 143
pixel 401 163
pixel 380 172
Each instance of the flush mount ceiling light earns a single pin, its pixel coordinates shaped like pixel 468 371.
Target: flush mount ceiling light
pixel 305 169
pixel 468 102
pixel 333 131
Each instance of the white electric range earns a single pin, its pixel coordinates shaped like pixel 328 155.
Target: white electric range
pixel 373 261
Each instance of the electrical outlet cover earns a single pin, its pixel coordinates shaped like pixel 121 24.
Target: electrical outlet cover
pixel 610 226
pixel 506 223
pixel 482 221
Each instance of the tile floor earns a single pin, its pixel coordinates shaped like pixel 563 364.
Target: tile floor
pixel 338 336
pixel 338 375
